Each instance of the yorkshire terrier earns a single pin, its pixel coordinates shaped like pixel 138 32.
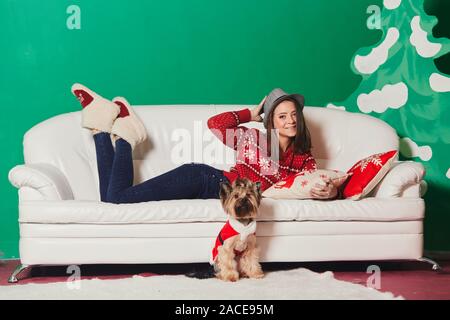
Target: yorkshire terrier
pixel 235 253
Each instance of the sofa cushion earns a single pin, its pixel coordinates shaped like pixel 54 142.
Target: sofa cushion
pixel 209 210
pixel 211 229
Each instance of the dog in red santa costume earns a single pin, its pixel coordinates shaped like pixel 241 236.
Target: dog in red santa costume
pixel 235 253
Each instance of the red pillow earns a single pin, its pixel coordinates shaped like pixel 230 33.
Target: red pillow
pixel 367 173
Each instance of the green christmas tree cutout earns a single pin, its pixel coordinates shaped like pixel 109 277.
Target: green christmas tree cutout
pixel 402 86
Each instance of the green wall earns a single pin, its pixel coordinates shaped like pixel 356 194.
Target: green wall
pixel 169 52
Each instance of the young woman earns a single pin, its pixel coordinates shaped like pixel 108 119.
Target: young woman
pixel 115 120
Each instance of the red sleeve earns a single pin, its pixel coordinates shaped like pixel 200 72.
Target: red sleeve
pixel 225 126
pixel 304 162
pixel 310 162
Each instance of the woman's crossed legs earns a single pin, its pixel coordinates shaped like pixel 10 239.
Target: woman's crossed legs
pixel 115 169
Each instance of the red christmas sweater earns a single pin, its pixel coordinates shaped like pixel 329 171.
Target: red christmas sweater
pixel 252 160
pixel 232 228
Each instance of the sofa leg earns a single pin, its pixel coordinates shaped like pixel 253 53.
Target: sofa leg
pixel 436 266
pixel 19 269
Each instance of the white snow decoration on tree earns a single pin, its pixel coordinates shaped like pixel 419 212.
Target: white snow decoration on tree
pixel 390 96
pixel 370 63
pixel 439 83
pixel 410 149
pixel 419 39
pixel 332 106
pixel 448 173
pixel 391 4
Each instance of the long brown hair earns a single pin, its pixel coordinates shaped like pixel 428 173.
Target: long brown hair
pixel 302 140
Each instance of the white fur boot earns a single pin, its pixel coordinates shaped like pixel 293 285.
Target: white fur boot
pixel 128 126
pixel 98 113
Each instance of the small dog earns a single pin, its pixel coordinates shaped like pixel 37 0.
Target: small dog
pixel 235 253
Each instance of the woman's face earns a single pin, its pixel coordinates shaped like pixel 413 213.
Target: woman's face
pixel 285 119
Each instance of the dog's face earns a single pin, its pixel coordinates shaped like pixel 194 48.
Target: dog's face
pixel 241 200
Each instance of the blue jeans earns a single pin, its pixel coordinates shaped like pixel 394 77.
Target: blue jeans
pixel 115 170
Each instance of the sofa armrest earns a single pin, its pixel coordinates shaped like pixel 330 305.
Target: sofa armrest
pixel 42 178
pixel 403 180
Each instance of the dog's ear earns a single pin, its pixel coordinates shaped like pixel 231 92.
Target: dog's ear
pixel 225 189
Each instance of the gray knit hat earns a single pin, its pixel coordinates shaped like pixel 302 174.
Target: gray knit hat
pixel 275 97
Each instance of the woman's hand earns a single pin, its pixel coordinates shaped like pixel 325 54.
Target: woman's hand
pixel 327 190
pixel 255 112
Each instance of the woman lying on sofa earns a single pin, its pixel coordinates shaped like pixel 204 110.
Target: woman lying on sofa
pixel 116 120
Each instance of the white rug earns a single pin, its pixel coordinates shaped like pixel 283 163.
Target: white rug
pixel 278 285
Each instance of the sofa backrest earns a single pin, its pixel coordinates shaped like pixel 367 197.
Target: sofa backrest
pixel 178 134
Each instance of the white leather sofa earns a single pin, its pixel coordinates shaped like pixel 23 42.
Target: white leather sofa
pixel 63 222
